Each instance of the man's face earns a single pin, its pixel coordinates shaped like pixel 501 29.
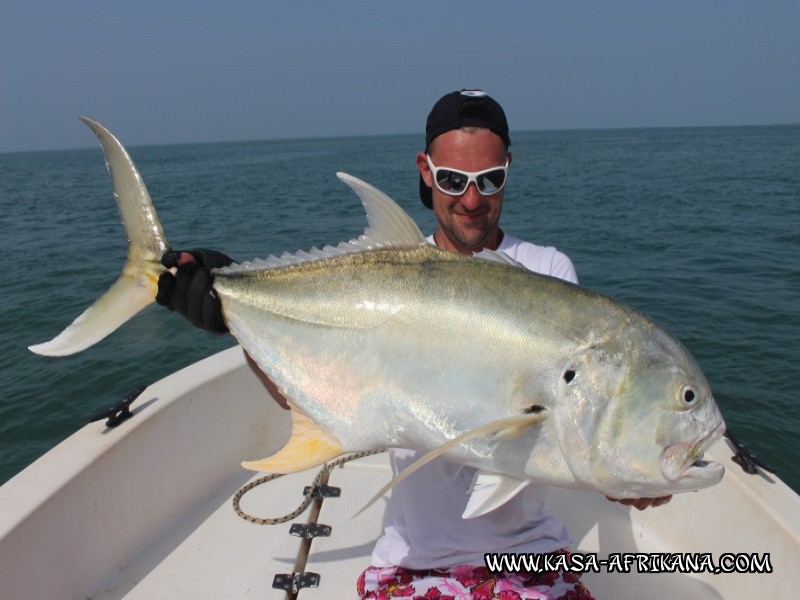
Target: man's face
pixel 468 222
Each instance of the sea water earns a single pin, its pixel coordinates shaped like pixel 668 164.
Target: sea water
pixel 698 228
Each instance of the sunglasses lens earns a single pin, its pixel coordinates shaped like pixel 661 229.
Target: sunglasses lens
pixel 451 182
pixel 491 182
pixel 455 183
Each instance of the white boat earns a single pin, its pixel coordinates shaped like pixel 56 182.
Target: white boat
pixel 143 510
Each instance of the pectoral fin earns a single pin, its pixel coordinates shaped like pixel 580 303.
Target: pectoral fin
pixel 308 447
pixel 509 425
pixel 489 491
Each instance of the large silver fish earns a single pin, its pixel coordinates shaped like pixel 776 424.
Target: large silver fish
pixel 389 341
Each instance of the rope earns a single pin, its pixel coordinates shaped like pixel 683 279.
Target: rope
pixel 308 497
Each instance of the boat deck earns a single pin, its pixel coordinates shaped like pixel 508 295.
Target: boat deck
pixel 214 553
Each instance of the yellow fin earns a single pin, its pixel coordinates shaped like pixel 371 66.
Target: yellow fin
pixel 308 447
pixel 501 426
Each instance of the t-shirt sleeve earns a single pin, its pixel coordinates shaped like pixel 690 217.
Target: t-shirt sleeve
pixel 563 268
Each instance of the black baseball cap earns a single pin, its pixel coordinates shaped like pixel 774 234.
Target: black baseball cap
pixel 464 108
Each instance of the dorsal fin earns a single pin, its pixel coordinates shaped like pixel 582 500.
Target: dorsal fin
pixel 388 225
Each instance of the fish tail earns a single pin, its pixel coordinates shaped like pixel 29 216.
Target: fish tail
pixel 136 287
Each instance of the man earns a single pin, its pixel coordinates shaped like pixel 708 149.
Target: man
pixel 427 548
pixel 426 545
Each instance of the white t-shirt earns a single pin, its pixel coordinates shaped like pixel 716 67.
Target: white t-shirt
pixel 423 528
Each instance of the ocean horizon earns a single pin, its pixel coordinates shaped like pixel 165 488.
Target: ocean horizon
pixel 323 138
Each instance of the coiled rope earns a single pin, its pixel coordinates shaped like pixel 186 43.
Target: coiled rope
pixel 308 496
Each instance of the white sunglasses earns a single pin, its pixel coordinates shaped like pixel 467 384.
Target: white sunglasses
pixel 454 182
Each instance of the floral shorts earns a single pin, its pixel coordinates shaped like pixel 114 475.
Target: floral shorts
pixel 468 582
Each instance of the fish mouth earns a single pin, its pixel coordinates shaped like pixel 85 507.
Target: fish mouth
pixel 685 461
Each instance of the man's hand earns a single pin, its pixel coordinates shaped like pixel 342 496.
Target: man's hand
pixel 642 503
pixel 188 287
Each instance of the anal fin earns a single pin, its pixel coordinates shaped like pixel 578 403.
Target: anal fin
pixel 489 491
pixel 308 447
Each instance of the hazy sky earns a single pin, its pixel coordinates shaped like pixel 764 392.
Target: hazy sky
pixel 171 72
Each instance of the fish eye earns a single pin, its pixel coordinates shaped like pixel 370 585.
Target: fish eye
pixel 688 395
pixel 569 375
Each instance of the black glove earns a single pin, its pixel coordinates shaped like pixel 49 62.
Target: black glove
pixel 190 291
